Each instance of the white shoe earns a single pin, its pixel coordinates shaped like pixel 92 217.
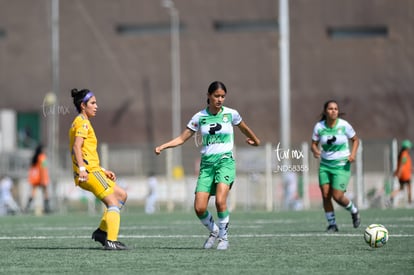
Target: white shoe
pixel 223 244
pixel 211 240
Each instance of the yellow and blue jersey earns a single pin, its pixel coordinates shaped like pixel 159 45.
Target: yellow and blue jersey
pixel 82 127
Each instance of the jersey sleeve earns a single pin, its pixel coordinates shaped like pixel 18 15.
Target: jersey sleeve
pixel 315 134
pixel 236 117
pixel 349 131
pixel 81 128
pixel 194 123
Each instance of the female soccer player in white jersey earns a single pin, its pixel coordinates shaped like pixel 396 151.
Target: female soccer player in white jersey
pixel 217 165
pixel 333 134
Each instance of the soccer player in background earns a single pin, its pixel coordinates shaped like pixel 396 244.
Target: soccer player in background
pixel 90 176
pixel 39 178
pixel 217 165
pixel 333 133
pixel 403 171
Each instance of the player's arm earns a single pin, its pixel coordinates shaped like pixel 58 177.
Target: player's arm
pixel 315 149
pixel 185 135
pixel 355 144
pixel 77 150
pixel 251 137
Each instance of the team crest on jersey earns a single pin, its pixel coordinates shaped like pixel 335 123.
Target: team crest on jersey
pixel 85 126
pixel 225 118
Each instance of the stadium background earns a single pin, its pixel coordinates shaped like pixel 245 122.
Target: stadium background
pixel 359 53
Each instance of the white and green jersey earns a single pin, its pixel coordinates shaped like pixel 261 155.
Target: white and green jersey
pixel 333 141
pixel 216 131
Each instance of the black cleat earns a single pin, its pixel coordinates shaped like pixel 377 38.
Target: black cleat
pixel 356 219
pixel 115 245
pixel 99 236
pixel 332 228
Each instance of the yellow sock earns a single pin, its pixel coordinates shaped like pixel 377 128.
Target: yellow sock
pixel 103 225
pixel 113 221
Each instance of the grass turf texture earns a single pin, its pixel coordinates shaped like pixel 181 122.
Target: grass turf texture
pixel 260 243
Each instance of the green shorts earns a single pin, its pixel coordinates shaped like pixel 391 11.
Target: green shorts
pixel 222 171
pixel 337 177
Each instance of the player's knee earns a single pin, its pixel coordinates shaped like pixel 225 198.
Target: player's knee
pixel 221 205
pixel 340 199
pixel 121 194
pixel 200 210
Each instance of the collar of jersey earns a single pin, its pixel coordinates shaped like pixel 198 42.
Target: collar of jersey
pixel 82 116
pixel 208 112
pixel 336 123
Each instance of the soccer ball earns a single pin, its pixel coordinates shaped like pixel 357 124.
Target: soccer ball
pixel 376 235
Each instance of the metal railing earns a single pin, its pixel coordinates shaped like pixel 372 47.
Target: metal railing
pixel 262 181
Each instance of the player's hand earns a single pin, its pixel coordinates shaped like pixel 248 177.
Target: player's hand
pixel 110 175
pixel 157 150
pixel 251 142
pixel 316 154
pixel 83 176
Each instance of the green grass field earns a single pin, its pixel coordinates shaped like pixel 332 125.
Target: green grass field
pixel 170 243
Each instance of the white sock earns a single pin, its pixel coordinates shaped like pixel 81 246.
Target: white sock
pixel 351 207
pixel 223 227
pixel 330 217
pixel 208 222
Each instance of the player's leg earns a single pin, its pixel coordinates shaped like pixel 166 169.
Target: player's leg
pixel 30 199
pixel 223 215
pixel 326 192
pixel 339 184
pixel 114 198
pixel 205 217
pixel 46 206
pixel 204 190
pixel 114 203
pixel 100 234
pixel 224 177
pixel 409 192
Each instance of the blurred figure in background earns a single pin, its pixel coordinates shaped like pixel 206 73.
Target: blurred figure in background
pixel 151 201
pixel 291 199
pixel 39 178
pixel 8 205
pixel 403 171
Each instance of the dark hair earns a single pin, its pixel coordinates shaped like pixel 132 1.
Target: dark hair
pixel 78 96
pixel 325 105
pixel 38 151
pixel 214 86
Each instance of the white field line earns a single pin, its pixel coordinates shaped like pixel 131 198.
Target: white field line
pixel 300 235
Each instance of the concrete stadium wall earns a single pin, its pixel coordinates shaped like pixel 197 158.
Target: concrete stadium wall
pixel 370 75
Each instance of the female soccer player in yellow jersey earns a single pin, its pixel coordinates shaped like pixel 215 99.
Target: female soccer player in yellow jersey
pixel 90 176
pixel 217 166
